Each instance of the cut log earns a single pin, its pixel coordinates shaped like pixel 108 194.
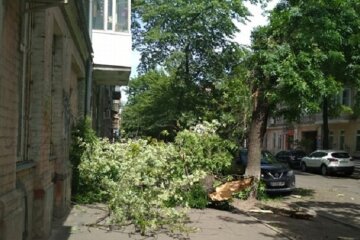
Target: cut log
pixel 225 191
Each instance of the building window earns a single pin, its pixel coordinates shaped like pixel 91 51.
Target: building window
pixel 274 140
pixel 342 140
pixel 279 141
pixel 358 140
pixel 98 14
pixel 331 139
pixel 346 97
pixel 111 15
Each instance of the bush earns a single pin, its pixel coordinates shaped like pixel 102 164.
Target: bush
pixel 82 134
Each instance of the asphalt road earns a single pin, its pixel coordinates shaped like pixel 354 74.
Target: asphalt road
pixel 330 188
pixel 336 201
pixel 335 197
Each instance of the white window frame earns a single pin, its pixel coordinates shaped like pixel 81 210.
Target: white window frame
pixel 114 16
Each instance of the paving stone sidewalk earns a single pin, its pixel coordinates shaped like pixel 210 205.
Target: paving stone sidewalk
pixel 212 225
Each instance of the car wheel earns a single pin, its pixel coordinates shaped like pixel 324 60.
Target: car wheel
pixel 303 167
pixel 323 170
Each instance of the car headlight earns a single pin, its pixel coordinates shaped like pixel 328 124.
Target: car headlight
pixel 290 173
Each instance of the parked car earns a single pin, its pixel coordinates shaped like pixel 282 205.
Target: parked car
pixel 291 157
pixel 277 176
pixel 328 161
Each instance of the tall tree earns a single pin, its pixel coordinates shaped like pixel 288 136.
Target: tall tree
pixel 328 31
pixel 190 41
pixel 303 57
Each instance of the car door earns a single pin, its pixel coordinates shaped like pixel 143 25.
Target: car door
pixel 309 160
pixel 317 160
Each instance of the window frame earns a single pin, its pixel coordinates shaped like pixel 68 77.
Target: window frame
pixel 114 15
pixel 342 140
pixel 357 140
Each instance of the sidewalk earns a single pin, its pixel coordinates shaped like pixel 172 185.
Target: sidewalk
pixel 212 225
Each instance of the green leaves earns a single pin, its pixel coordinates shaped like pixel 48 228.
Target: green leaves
pixel 143 180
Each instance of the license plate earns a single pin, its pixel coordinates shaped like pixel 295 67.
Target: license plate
pixel 277 184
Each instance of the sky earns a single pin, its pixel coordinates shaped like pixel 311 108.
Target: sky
pixel 242 37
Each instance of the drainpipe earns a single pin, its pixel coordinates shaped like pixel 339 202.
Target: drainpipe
pixel 89 69
pixel 24 50
pixel 90 17
pixel 1 19
pixel 88 87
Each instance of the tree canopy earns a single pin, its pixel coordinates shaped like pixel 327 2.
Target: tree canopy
pixel 190 44
pixel 309 50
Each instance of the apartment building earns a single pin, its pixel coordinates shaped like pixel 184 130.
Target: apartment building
pixel 111 38
pixel 344 130
pixel 50 73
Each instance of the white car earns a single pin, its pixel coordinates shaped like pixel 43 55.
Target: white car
pixel 328 161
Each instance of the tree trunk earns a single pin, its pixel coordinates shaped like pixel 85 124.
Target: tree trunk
pixel 256 135
pixel 325 126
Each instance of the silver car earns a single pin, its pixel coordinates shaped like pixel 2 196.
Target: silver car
pixel 328 161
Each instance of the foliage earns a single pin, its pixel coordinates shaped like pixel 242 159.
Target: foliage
pixel 196 197
pixel 187 49
pixel 140 177
pixel 260 188
pixel 151 106
pixel 305 55
pixel 324 37
pixel 82 133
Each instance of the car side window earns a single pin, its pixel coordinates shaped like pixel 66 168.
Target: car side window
pixel 319 154
pixel 322 154
pixel 313 154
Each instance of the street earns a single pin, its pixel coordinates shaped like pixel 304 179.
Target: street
pixel 336 196
pixel 335 199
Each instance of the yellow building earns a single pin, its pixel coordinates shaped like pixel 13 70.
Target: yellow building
pixel 344 131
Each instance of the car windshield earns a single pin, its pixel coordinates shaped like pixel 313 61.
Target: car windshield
pixel 268 158
pixel 340 155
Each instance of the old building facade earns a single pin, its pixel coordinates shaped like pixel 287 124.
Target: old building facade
pixel 44 78
pixel 344 130
pixel 111 39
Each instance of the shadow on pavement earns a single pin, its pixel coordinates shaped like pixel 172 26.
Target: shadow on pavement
pixel 348 213
pixel 304 192
pixel 333 220
pixel 59 231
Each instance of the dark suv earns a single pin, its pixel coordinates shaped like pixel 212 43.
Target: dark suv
pixel 291 157
pixel 277 176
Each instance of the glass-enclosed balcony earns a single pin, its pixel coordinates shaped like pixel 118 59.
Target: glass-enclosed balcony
pixel 111 39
